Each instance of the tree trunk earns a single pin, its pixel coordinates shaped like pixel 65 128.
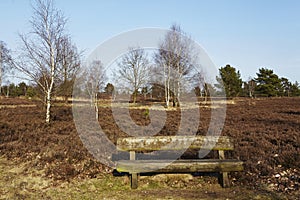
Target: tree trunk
pixel 48 106
pixel 165 82
pixel 178 94
pixel 206 91
pixel 65 86
pixel 50 87
pixel 174 95
pixel 48 97
pixel 96 106
pixel 168 87
pixel 134 96
pixel 178 86
pixel 7 92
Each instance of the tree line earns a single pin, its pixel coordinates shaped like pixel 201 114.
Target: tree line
pixel 50 62
pixel 265 84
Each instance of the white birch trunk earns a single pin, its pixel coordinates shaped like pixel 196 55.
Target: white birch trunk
pixel 168 87
pixel 165 82
pixel 50 86
pixel 96 106
pixel 48 97
pixel 178 93
pixel 48 106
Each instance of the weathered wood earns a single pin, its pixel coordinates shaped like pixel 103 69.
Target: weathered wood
pixel 133 176
pixel 203 165
pixel 134 180
pixel 156 143
pixel 221 154
pixel 157 155
pixel 223 175
pixel 132 155
pixel 161 149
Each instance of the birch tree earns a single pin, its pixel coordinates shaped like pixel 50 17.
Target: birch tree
pixel 94 80
pixel 175 56
pixel 41 53
pixel 4 63
pixel 133 71
pixel 162 59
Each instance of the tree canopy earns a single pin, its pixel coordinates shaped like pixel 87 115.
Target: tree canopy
pixel 231 80
pixel 133 70
pixel 268 83
pixel 175 57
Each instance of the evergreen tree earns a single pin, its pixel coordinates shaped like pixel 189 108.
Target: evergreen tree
pixel 21 89
pixel 285 89
pixel 109 88
pixel 295 89
pixel 268 83
pixel 231 80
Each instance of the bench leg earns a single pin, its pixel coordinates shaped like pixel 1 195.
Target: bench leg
pixel 134 180
pixel 224 179
pixel 223 175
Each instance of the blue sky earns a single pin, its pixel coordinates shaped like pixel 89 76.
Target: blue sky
pixel 246 34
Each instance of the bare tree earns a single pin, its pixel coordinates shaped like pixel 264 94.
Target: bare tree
pixel 41 53
pixel 251 87
pixel 133 71
pixel 4 63
pixel 69 66
pixel 162 59
pixel 94 78
pixel 175 56
pixel 200 82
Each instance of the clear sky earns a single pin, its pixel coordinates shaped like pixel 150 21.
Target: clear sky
pixel 247 34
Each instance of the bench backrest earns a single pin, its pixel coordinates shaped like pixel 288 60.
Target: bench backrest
pixel 156 143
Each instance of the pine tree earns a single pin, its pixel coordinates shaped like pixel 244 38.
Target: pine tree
pixel 230 80
pixel 295 89
pixel 268 83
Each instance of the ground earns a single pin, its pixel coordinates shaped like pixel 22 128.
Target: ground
pixel 40 161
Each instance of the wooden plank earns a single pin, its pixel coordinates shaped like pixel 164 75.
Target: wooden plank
pixel 133 176
pixel 203 165
pixel 132 155
pixel 156 143
pixel 134 180
pixel 221 154
pixel 157 155
pixel 223 175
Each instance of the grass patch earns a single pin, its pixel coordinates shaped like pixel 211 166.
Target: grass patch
pixel 19 182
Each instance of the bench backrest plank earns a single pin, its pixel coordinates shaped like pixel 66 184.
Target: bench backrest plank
pixel 155 143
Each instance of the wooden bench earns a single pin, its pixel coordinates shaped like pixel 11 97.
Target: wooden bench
pixel 141 160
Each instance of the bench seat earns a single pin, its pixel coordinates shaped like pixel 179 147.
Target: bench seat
pixel 137 149
pixel 180 166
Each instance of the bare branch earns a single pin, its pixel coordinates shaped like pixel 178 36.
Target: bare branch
pixel 133 71
pixel 41 55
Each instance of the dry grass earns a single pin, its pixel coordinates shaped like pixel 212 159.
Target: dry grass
pixel 19 182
